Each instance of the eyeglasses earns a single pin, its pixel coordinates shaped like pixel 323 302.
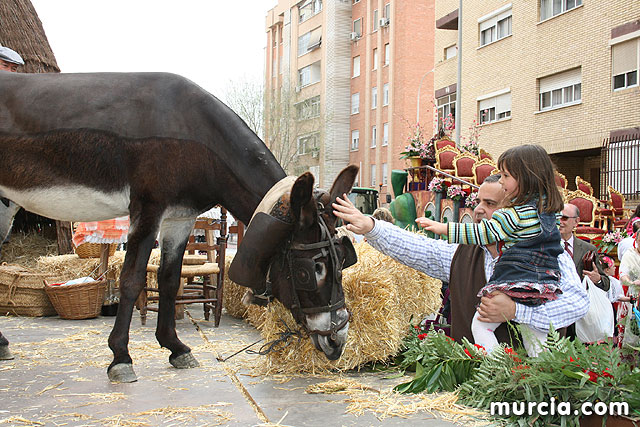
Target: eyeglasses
pixel 564 217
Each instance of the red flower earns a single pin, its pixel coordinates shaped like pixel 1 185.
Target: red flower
pixel 593 376
pixel 422 336
pixel 479 347
pixel 509 351
pixel 606 374
pixel 468 353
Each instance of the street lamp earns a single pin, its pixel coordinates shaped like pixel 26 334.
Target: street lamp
pixel 418 101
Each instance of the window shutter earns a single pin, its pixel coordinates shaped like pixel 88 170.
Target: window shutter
pixel 487 24
pixel 315 39
pixel 560 80
pixel 487 103
pixel 625 57
pixel 503 103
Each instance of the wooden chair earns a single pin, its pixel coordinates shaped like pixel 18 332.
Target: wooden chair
pixel 482 169
pixel 603 210
pixel 485 155
pixel 584 186
pixel 463 165
pixel 444 159
pixel 620 214
pixel 444 142
pixel 589 223
pixel 202 276
pixel 561 180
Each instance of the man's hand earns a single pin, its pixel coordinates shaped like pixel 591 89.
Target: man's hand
pixel 431 225
pixel 496 308
pixel 357 221
pixel 594 275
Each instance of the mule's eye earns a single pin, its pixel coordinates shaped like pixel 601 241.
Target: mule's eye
pixel 319 268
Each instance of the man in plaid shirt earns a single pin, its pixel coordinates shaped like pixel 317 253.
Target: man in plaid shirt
pixel 435 258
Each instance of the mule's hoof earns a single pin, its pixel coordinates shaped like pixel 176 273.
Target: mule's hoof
pixel 184 361
pixel 122 373
pixel 5 353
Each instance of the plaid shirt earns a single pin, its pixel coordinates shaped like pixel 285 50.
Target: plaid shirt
pixel 434 258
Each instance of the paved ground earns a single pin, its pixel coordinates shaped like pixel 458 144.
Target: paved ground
pixel 58 377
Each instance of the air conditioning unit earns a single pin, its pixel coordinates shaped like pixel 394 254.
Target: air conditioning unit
pixel 354 36
pixel 384 22
pixel 298 89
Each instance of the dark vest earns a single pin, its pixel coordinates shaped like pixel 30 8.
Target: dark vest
pixel 465 281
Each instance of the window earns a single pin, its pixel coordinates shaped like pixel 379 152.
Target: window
pixel 376 22
pixel 387 11
pixel 624 57
pixel 446 111
pixel 387 54
pixel 385 134
pixel 375 58
pixel 308 109
pixel 356 1
pixel 450 52
pixel 309 41
pixel 560 89
pixel 357 27
pixel 384 174
pixel 385 94
pixel 550 8
pixel 308 143
pixel 309 75
pixel 374 97
pixel 309 8
pixel 356 66
pixel 495 26
pixel 355 139
pixel 355 103
pixel 373 176
pixel 492 108
pixel 374 136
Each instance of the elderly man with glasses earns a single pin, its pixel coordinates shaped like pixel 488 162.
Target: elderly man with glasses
pixel 577 248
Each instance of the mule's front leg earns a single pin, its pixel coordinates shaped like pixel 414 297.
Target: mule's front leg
pixel 5 353
pixel 174 236
pixel 132 280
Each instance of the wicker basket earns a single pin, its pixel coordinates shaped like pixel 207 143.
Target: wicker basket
pixel 92 250
pixel 79 301
pixel 22 292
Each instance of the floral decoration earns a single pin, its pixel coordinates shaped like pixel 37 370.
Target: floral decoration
pixel 437 185
pixel 609 241
pixel 417 146
pixel 472 200
pixel 455 192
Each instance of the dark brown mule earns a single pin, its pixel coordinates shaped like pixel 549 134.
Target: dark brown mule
pixel 79 147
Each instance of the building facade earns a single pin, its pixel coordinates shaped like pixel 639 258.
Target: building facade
pixel 353 73
pixel 560 73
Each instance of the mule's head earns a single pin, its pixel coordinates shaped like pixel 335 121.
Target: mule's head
pixel 294 255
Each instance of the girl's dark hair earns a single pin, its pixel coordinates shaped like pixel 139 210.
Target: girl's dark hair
pixel 531 167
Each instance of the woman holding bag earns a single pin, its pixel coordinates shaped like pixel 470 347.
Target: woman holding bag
pixel 630 276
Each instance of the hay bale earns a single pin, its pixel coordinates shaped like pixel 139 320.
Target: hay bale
pixel 383 297
pixel 25 249
pixel 233 293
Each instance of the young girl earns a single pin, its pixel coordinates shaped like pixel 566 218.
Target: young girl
pixel 526 229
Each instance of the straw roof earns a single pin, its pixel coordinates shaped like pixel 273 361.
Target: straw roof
pixel 22 31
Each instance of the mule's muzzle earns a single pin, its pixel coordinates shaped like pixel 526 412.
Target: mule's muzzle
pixel 331 342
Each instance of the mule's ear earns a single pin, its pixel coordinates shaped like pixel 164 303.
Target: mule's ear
pixel 303 206
pixel 344 182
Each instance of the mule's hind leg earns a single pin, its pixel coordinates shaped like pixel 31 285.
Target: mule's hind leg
pixel 174 233
pixel 7 213
pixel 5 353
pixel 142 237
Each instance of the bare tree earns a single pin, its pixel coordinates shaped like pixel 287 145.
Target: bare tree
pixel 245 97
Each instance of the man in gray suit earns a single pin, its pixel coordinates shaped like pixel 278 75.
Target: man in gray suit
pixel 577 248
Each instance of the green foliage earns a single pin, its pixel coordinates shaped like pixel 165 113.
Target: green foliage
pixel 567 371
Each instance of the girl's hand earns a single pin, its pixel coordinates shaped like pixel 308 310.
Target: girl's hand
pixel 431 225
pixel 357 221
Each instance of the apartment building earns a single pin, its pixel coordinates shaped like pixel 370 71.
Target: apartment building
pixel 561 73
pixel 354 72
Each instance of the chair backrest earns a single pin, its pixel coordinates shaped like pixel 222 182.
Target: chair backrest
pixel 485 155
pixel 584 186
pixel 444 142
pixel 617 199
pixel 444 158
pixel 561 180
pixel 463 165
pixel 482 169
pixel 587 205
pixel 214 247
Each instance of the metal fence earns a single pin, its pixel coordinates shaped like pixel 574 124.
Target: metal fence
pixel 620 166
